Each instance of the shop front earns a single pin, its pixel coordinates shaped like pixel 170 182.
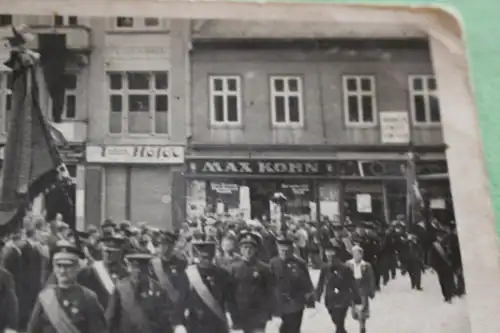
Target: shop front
pixel 140 183
pixel 315 189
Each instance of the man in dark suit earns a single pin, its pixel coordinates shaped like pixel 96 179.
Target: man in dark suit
pixel 8 300
pixel 294 288
pixel 210 294
pixel 254 287
pixel 337 282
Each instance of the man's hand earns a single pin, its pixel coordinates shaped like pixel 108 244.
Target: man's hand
pixel 179 329
pixel 9 330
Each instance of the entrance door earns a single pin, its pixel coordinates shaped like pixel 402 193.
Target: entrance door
pixel 261 192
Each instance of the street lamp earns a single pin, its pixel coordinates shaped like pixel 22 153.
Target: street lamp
pixel 280 199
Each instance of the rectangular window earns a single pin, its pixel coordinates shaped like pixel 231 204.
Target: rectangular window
pixel 359 100
pixel 138 102
pixel 5 99
pixel 424 101
pixel 59 20
pixel 5 20
pixel 225 100
pixel 137 22
pixel 286 101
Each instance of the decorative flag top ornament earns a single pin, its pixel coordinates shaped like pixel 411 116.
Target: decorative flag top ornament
pixel 32 164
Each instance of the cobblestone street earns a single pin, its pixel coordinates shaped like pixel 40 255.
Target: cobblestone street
pixel 398 309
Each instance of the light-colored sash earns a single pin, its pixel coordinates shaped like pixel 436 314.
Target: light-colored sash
pixel 104 277
pixel 202 290
pixel 56 315
pixel 164 280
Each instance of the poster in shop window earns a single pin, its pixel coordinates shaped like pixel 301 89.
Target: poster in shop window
pixel 223 196
pixel 364 203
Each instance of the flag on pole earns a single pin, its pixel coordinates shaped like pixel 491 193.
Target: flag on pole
pixel 32 164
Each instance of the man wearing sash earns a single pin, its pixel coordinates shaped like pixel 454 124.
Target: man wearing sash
pixel 294 289
pixel 211 291
pixel 254 287
pixel 170 271
pixel 67 307
pixel 138 303
pixel 101 276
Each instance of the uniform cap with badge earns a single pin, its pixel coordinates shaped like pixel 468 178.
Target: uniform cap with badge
pixel 204 249
pixel 250 237
pixel 141 260
pixel 67 253
pixel 284 242
pixel 112 243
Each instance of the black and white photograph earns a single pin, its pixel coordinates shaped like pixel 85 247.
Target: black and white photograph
pixel 167 175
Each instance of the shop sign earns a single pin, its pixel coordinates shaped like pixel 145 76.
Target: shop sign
pixel 394 127
pixel 140 154
pixel 340 168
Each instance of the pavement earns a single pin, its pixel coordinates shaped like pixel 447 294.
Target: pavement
pixel 397 309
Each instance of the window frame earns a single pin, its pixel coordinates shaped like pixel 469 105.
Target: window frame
pixel 66 20
pixel 359 93
pixel 135 26
pixel 426 93
pixel 212 93
pixel 286 93
pixel 4 92
pixel 124 92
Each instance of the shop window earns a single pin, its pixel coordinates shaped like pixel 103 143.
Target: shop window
pixel 286 101
pixel 5 98
pixel 59 20
pixel 225 100
pixel 424 101
pixel 359 100
pixel 139 102
pixel 5 20
pixel 137 23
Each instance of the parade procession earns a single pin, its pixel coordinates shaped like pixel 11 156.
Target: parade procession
pixel 215 273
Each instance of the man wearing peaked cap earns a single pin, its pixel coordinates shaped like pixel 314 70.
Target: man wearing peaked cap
pixel 169 269
pixel 101 276
pixel 108 227
pixel 211 292
pixel 254 286
pixel 337 282
pixel 138 303
pixel 83 311
pixel 294 287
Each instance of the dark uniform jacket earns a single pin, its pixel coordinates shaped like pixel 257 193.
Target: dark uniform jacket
pixel 89 278
pixel 254 293
pixel 294 288
pixel 175 270
pixel 80 305
pixel 338 284
pixel 201 319
pixel 14 263
pixel 8 301
pixel 141 309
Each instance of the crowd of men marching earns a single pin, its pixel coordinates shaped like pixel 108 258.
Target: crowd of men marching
pixel 211 276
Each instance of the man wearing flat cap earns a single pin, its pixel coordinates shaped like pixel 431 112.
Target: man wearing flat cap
pixel 138 303
pixel 67 306
pixel 169 269
pixel 211 291
pixel 337 282
pixel 254 287
pixel 294 288
pixel 101 276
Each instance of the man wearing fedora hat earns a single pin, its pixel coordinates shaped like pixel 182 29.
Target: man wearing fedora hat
pixel 67 306
pixel 101 276
pixel 337 282
pixel 169 269
pixel 295 290
pixel 138 303
pixel 254 286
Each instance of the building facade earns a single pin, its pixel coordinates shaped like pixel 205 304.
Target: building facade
pixel 126 99
pixel 326 121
